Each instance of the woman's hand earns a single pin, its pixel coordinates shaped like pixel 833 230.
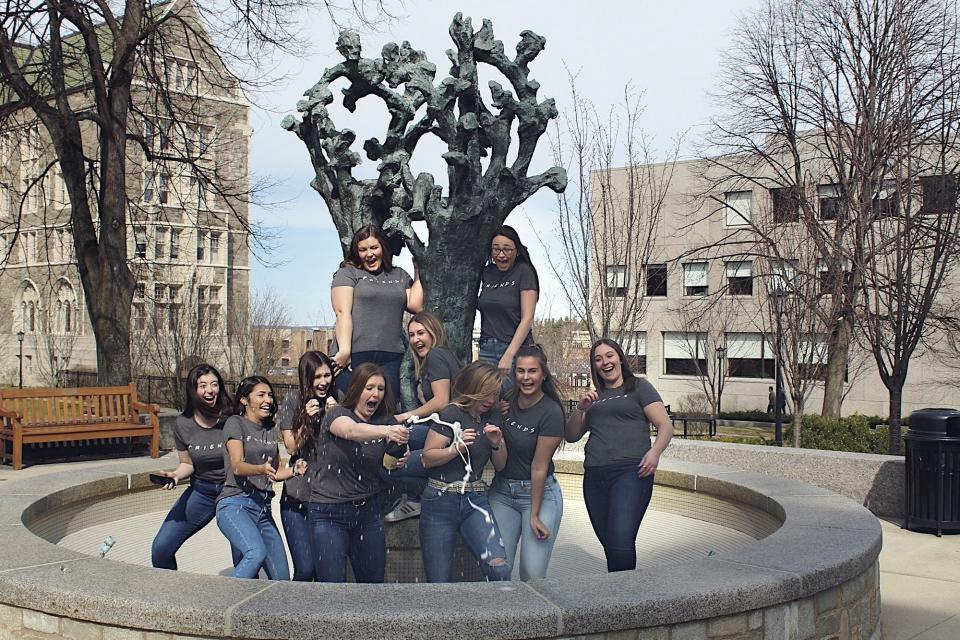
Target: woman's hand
pixel 398 434
pixel 506 364
pixel 402 460
pixel 312 407
pixel 300 467
pixel 467 436
pixel 494 435
pixel 649 463
pixel 504 407
pixel 340 361
pixel 173 479
pixel 402 417
pixel 539 529
pixel 331 403
pixel 587 399
pixel 267 469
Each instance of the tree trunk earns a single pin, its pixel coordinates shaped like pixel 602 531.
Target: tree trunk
pixel 836 371
pixel 797 427
pixel 896 407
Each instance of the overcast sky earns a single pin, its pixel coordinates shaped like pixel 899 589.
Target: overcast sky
pixel 668 50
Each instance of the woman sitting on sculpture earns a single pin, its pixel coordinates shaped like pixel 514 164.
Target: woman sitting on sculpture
pixel 465 436
pixel 435 365
pixel 345 512
pixel 369 297
pixel 198 439
pixel 619 461
pixel 509 288
pixel 525 495
pixel 299 418
pixel 243 508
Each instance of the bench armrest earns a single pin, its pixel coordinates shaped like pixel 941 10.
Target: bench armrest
pixel 145 406
pixel 12 415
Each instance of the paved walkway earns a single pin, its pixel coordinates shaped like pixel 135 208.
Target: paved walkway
pixel 919 573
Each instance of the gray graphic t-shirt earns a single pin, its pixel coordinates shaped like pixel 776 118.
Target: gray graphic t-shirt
pixel 341 470
pixel 619 430
pixel 204 445
pixel 379 300
pixel 454 470
pixel 522 429
pixel 259 444
pixel 298 487
pixel 499 301
pixel 440 364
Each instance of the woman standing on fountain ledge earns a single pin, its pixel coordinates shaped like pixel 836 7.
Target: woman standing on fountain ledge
pixel 455 498
pixel 508 300
pixel 525 495
pixel 369 296
pixel 198 439
pixel 619 461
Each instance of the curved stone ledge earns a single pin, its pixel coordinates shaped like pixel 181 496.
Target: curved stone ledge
pixel 817 570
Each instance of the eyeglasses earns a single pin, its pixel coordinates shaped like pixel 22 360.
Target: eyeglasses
pixel 504 250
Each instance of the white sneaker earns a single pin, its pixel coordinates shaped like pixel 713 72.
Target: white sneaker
pixel 406 509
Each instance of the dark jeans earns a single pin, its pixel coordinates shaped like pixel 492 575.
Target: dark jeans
pixel 616 500
pixel 347 530
pixel 491 350
pixel 247 522
pixel 442 515
pixel 389 362
pixel 192 511
pixel 413 477
pixel 296 527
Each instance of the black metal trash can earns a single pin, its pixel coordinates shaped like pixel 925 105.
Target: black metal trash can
pixel 932 472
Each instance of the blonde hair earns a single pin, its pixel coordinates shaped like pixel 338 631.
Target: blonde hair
pixel 434 327
pixel 475 382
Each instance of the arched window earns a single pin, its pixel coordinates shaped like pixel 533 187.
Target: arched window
pixel 65 298
pixel 28 307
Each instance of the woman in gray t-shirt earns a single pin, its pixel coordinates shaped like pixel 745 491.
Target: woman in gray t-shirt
pixel 619 461
pixel 369 296
pixel 252 457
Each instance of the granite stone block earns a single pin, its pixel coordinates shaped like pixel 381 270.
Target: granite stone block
pixel 689 631
pixel 37 621
pixel 78 630
pixel 728 625
pixel 654 633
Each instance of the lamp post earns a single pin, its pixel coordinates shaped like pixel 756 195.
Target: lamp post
pixel 721 351
pixel 20 335
pixel 777 295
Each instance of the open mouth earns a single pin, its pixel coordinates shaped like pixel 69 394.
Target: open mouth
pixel 420 348
pixel 372 405
pixel 209 399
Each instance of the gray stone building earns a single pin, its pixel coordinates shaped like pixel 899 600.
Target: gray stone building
pixel 187 224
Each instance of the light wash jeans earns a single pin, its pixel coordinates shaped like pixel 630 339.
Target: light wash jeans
pixel 246 521
pixel 510 501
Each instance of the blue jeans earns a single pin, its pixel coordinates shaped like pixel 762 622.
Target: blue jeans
pixel 616 500
pixel 293 517
pixel 245 519
pixel 510 500
pixel 351 530
pixel 386 360
pixel 442 515
pixel 491 350
pixel 192 511
pixel 413 477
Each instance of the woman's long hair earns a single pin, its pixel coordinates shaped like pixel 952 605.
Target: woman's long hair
pixel 358 381
pixel 550 385
pixel 192 401
pixel 434 327
pixel 245 388
pixel 629 381
pixel 523 255
pixel 310 362
pixel 475 382
pixel 364 232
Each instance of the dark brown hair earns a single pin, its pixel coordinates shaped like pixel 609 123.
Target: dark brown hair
pixel 550 386
pixel 358 381
pixel 193 403
pixel 629 381
pixel 307 368
pixel 364 232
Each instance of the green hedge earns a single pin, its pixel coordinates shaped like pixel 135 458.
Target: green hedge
pixel 852 433
pixel 752 415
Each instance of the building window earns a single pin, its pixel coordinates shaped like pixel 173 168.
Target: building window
pixel 829 196
pixel 284 362
pixel 939 193
pixel 616 275
pixel 139 318
pixel 140 242
pixel 684 353
pixel 786 205
pixel 174 244
pixel 695 278
pixel 285 345
pixel 159 292
pixel 782 274
pixel 737 210
pixel 740 278
pixel 749 355
pixel 156 187
pixel 201 294
pixel 140 291
pixel 160 243
pixel 827 275
pixel 635 348
pixel 886 202
pixel 214 246
pixel 309 345
pixel 201 246
pixel 656 279
pixel 812 358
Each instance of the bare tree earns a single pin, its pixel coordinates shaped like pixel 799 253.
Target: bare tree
pixel 54 346
pixel 260 332
pixel 125 93
pixel 609 216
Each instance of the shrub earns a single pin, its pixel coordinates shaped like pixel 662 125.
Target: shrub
pixel 852 433
pixel 753 415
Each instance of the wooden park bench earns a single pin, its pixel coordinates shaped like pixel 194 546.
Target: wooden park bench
pixel 29 416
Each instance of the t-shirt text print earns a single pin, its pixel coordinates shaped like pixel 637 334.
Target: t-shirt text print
pixel 619 429
pixel 204 445
pixel 379 300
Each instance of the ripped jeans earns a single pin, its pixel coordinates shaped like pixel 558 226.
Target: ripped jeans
pixel 442 515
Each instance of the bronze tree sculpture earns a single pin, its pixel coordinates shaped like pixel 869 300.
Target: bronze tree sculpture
pixel 483 188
